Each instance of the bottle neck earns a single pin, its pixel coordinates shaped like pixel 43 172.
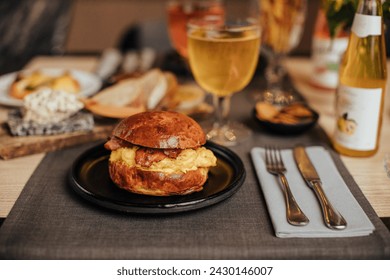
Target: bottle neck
pixel 370 7
pixel 368 20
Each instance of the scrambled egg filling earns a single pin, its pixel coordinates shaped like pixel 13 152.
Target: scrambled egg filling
pixel 188 159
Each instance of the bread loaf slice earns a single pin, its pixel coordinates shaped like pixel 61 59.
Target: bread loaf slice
pixel 155 86
pixel 118 101
pixel 124 93
pixel 132 95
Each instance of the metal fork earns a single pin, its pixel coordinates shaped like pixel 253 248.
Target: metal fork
pixel 275 166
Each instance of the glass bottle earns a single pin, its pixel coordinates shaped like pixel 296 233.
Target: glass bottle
pixel 362 82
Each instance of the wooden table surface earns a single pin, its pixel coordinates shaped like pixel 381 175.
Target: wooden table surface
pixel 369 173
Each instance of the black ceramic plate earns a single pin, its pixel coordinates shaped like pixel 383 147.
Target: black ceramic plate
pixel 287 129
pixel 90 179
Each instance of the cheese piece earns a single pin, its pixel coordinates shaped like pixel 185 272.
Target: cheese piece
pixel 47 106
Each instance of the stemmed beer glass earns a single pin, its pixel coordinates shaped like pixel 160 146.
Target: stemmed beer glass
pixel 282 22
pixel 223 57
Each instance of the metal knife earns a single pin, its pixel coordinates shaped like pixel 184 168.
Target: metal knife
pixel 332 217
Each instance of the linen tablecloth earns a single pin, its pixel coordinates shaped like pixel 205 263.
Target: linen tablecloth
pixel 50 221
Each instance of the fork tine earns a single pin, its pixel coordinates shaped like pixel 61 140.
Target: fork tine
pixel 275 161
pixel 266 156
pixel 280 162
pixel 274 158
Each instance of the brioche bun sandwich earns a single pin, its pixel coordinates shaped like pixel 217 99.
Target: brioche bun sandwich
pixel 159 153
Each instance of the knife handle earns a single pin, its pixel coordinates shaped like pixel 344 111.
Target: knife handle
pixel 332 217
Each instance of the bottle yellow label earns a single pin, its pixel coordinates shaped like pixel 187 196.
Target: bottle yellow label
pixel 357 112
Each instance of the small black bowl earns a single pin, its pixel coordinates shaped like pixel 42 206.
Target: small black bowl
pixel 288 129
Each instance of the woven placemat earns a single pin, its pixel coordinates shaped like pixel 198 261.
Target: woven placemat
pixel 50 221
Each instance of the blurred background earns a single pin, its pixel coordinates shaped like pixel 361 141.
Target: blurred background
pixel 98 24
pixel 29 27
pixel 45 27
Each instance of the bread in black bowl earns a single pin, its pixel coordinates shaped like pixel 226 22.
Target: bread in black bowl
pixel 294 118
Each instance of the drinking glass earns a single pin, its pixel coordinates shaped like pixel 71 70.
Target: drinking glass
pixel 179 12
pixel 223 57
pixel 282 22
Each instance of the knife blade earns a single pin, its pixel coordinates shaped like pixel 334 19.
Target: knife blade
pixel 332 218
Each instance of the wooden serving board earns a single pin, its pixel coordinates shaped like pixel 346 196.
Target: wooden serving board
pixel 17 146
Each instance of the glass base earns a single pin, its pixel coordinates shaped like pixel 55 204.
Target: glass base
pixel 231 134
pixel 276 97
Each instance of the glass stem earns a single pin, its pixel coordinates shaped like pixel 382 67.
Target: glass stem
pixel 276 92
pixel 275 72
pixel 222 108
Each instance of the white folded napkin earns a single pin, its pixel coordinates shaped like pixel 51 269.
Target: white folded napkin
pixel 334 187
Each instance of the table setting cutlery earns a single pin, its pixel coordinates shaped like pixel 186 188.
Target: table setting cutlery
pixel 321 206
pixel 275 166
pixel 332 217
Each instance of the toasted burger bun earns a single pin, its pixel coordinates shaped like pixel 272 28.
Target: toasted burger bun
pixel 159 153
pixel 161 130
